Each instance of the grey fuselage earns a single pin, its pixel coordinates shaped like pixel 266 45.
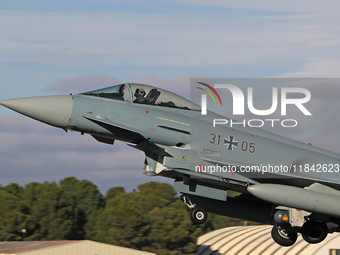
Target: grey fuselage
pixel 206 161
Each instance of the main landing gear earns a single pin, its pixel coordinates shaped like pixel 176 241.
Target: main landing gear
pixel 314 231
pixel 197 215
pixel 283 237
pixel 291 222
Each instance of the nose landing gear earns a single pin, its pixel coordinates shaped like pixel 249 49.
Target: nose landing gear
pixel 197 215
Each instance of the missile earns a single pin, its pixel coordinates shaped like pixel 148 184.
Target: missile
pixel 299 198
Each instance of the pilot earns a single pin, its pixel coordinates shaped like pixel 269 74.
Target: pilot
pixel 140 96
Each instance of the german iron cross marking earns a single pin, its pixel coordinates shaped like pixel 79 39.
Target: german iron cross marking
pixel 230 143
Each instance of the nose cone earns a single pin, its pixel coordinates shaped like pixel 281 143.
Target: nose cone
pixel 52 110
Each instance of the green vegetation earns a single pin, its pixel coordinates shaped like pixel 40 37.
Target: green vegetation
pixel 151 218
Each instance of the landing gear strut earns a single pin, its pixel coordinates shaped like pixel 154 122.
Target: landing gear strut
pixel 283 236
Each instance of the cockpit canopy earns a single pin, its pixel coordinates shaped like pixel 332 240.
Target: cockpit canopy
pixel 144 94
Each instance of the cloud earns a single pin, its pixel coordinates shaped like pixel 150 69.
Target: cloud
pixel 168 40
pixel 83 83
pixel 73 52
pixel 317 68
pixel 326 7
pixel 32 151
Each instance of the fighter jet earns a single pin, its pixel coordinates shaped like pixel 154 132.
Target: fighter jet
pixel 282 182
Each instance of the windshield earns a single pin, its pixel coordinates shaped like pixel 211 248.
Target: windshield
pixel 118 92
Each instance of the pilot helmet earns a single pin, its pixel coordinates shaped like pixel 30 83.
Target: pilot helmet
pixel 139 92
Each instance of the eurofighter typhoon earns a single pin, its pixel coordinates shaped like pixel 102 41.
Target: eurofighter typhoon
pixel 207 159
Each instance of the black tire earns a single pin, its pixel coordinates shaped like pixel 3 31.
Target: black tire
pixel 314 231
pixel 198 215
pixel 284 237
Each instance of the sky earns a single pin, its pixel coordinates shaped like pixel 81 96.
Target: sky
pixel 61 47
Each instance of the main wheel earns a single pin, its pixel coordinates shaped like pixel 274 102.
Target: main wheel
pixel 284 237
pixel 314 231
pixel 198 215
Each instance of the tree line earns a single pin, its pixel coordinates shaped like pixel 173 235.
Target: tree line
pixel 151 218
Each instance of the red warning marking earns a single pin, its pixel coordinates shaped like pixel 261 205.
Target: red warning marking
pixel 147 111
